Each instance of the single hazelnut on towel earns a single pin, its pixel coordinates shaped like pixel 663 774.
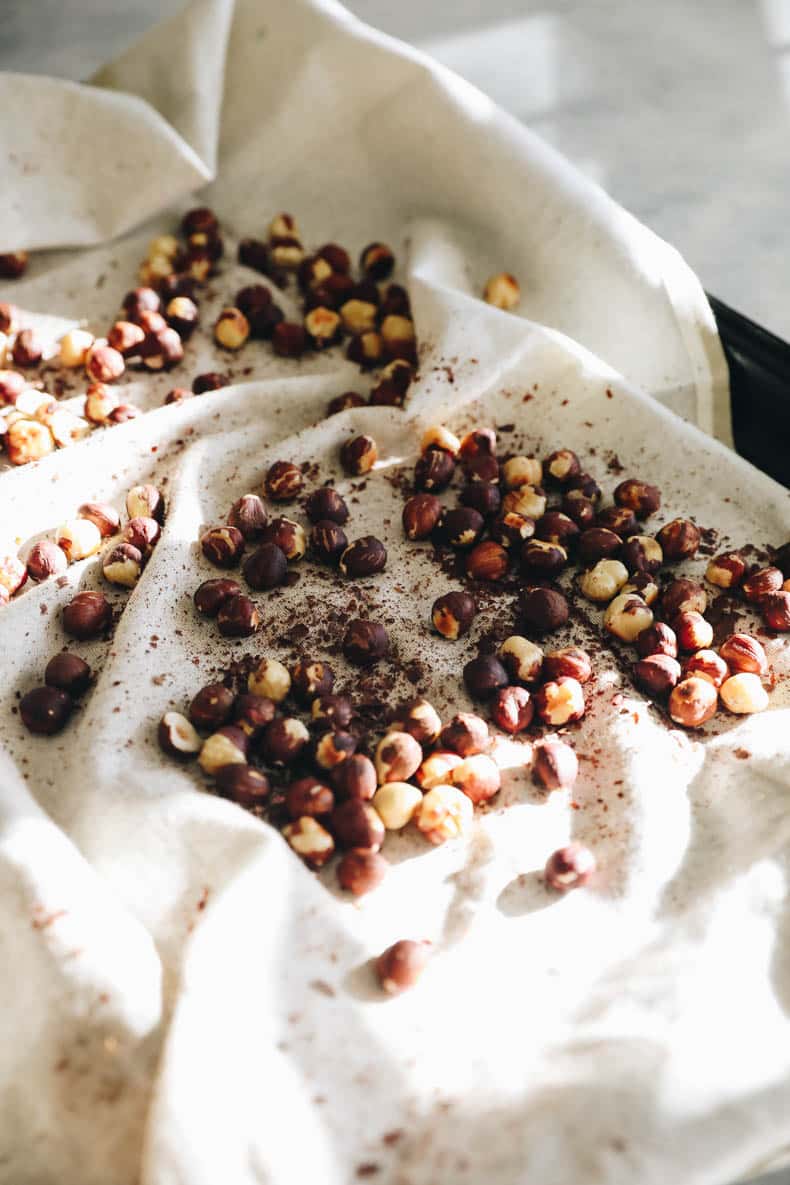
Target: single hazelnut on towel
pixel 266 567
pixel 744 693
pixel 13 264
pixel 286 534
pixel 562 465
pixel 310 679
pixel 325 503
pixel 638 496
pixel 693 702
pixel 45 710
pixel 569 868
pixel 308 796
pixel 452 614
pixel 522 658
pixel 604 581
pixel 46 559
pixel 742 652
pixel 555 765
pixel 28 348
pixel 396 804
pixel 238 617
pixel 328 541
pixel 359 455
pixel 657 674
pixel 356 824
pixel 708 665
pixel 692 630
pixel 78 538
pixel 398 757
pixel 364 557
pixel 270 679
pixel 74 346
pixel 759 584
pixel 376 261
pixel 222 546
pixel 775 610
pixel 679 539
pixel 394 300
pixel 544 609
pixel 502 291
pixel 68 672
pixel 102 515
pixel 283 481
pixel 434 470
pixel 480 442
pixel 445 813
pixel 360 871
pixel 229 745
pixel 310 840
pixel 354 778
pixel 484 675
pixel 659 638
pixel 211 707
pixel 512 709
pixel 122 564
pixel 419 719
pixel 231 329
pixel 420 515
pixel 522 471
pixel 365 642
pixel 200 220
pixel 87 615
pixel 242 784
pixel 248 515
pixel 210 594
pixel 283 740
pixel 210 381
pixel 177 737
pixel 487 561
pixel 726 570
pixel 401 965
pixel 626 616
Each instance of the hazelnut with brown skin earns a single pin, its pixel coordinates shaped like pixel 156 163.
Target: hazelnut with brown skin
pixel 44 711
pixel 359 455
pixel 586 485
pixel 571 660
pixel 640 553
pixel 222 546
pixel 162 350
pixel 452 614
pixel 283 481
pixel 742 652
pixel 102 515
pixel 659 638
pixel 182 316
pixel 13 264
pixel 87 615
pixel 487 561
pixel 177 737
pixel 238 617
pixel 693 632
pixel 46 559
pixel 211 707
pixel 464 735
pixel 485 497
pixel 644 585
pixel 103 364
pixel 679 539
pixel 364 557
pixel 597 543
pixel 310 840
pixel 522 658
pixel 12 384
pixel 308 796
pixel 398 756
pixel 266 567
pixel 122 564
pixel 484 676
pixel 242 784
pixel 210 381
pixel 708 665
pixel 145 501
pixel 401 965
pixel 288 535
pixel 252 713
pixel 540 559
pixel 638 496
pixel 759 584
pixel 693 702
pixel 569 868
pixel 366 349
pixel 331 712
pixel 544 609
pixel 69 673
pixel 726 570
pixel 775 610
pixel 289 339
pixel 512 709
pixel 360 871
pixel 326 504
pixel 620 519
pixel 656 674
pixel 555 765
pixel 28 349
pixel 419 719
pixel 139 301
pixel 283 740
pixel 365 642
pixel 682 596
pixel 310 679
pixel 480 442
pixel 343 402
pixel 434 470
pixel 421 515
pixel 562 465
pixel 478 777
pixel 461 527
pixel 356 824
pixel 328 541
pixel 124 336
pixel 9 316
pixel 354 778
pixel 210 595
pixel 579 509
pixel 248 515
pixel 376 261
pixel 255 254
pixel 556 527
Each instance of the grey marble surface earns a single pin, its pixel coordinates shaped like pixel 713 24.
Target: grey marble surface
pixel 680 109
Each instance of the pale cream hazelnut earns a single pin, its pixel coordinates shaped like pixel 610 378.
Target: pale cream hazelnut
pixel 74 347
pixel 478 777
pixel 522 471
pixel 218 750
pixel 322 325
pixel 31 402
pixel 436 768
pixel 122 564
pixel 744 693
pixel 442 438
pixel 165 245
pixel 287 254
pixel 270 679
pixel 397 330
pixel 310 840
pixel 78 538
pixel 231 329
pixel 604 581
pixel 502 291
pixel 100 402
pixel 444 813
pixel 358 316
pixel 153 270
pixel 26 440
pixel 726 571
pixel 144 501
pixel 626 616
pixel 66 428
pixel 527 500
pixel 283 226
pixel 522 658
pixel 396 803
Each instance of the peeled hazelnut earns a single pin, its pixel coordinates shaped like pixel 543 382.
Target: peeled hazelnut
pixel 252 713
pixel 210 595
pixel 100 403
pixel 759 584
pixel 13 574
pixel 310 680
pixel 478 776
pixel 266 567
pixel 288 535
pixel 560 701
pixel 693 632
pixel 522 471
pixel 708 665
pixel 270 679
pixel 502 291
pixel 441 438
pixel 326 504
pixel 657 674
pixel 68 672
pixel 78 538
pixel 355 777
pixel 102 515
pixel 210 381
pixel 555 764
pixel 604 581
pixel 396 804
pixel 679 539
pixel 644 585
pixel 544 609
pixel 313 271
pixel 333 748
pixel 464 735
pixel 659 638
pixel 571 661
pixel 445 813
pixel 452 614
pixel 512 709
pixel 541 559
pixel 283 481
pixel 328 541
pixel 398 757
pixel 420 720
pixel 222 546
pixel 28 348
pixel 308 796
pixel 103 363
pixel 434 470
pixel 562 465
pixel 556 527
pixel 358 316
pixel 367 350
pixel 289 340
pixel 436 768
pixel 283 225
pixel 310 840
pixel 242 784
pixel 45 710
pixel 286 252
pixel 27 441
pixel 283 740
pixel 45 559
pixel 683 595
pixel 323 326
pixel 211 707
pixel 376 261
pixel 741 652
pixel 727 570
pixel 365 642
pixel 640 553
pixel 420 515
pixel 87 615
pixel 487 561
pixel 528 501
pixel 484 497
pixel 183 316
pixel 626 616
pixel 238 617
pixel 74 347
pixel 231 329
pixel 522 658
pixel 744 693
pixel 122 564
pixel 461 527
pixel 364 557
pixel 359 455
pixel 693 702
pixel 13 264
pixel 248 515
pixel 598 543
pixel 177 737
pixel 484 675
pixel 638 496
pixel 569 868
pixel 65 427
pixel 619 519
pixel 775 610
pixel 356 824
pixel 360 871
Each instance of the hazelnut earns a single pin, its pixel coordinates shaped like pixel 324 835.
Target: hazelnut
pixel 313 271
pixel 358 316
pixel 376 261
pixel 238 617
pixel 512 709
pixel 741 652
pixel 683 595
pixel 331 712
pixel 759 584
pixel 390 391
pixel 398 757
pixel 211 707
pixel 182 316
pixel 693 632
pixel 122 564
pixel 27 441
pixel 444 813
pixel 9 317
pixel 775 610
pixel 656 674
pixel 478 776
pixel 638 496
pixel 74 346
pixel 528 501
pixel 521 471
pixel 365 642
pixel 326 504
pixel 359 455
pixel 394 300
pixel 78 539
pixel 679 539
pixel 231 329
pixel 282 226
pixel 436 768
pixel 453 614
pixel 355 777
pixel 366 349
pixel 726 571
pixel 100 403
pixel 210 381
pixel 200 220
pixel 364 557
pixel 585 485
pixel 248 515
pixel 102 515
pixel 28 348
pixel 252 713
pixel 145 501
pixel 45 710
pixel 640 553
pixel 45 559
pixel 644 585
pixel 484 675
pixel 461 527
pixel 442 438
pixel 12 384
pixel 560 701
pixel 356 824
pixel 556 527
pixel 512 530
pixel 693 702
pixel 162 350
pixel 310 840
pixel 420 720
pixel 344 401
pixel 267 567
pixel 126 337
pixel 68 672
pixel 333 748
pixel 555 765
pixel 308 796
pixel 283 481
pixel 562 465
pixel 626 616
pixel 210 595
pixel 401 965
pixel 255 254
pixel 283 740
pixel 141 300
pixel 569 868
pixel 619 519
pixel 484 497
pixel 255 301
pixel 523 659
pixel 177 737
pixel 420 515
pixel 659 638
pixel 13 573
pixel 578 508
pixel 286 252
pixel 288 535
pixel 396 804
pixel 502 291
pixel 571 660
pixel 464 735
pixel 87 615
pixel 487 561
pixel 65 427
pixel 544 609
pixel 242 784
pixel 708 665
pixel 13 264
pixel 103 363
pixel 222 546
pixel 604 581
pixel 598 543
pixel 360 871
pixel 328 541
pixel 541 559
pixel 37 405
pixel 434 470
pixel 270 679
pixel 289 340
pixel 323 326
pixel 744 693
pixel 311 679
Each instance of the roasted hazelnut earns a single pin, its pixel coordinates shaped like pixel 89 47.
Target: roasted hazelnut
pixel 13 264
pixel 289 339
pixel 231 329
pixel 598 543
pixel 693 632
pixel 366 349
pixel 323 327
pixel 555 765
pixel 9 318
pixel 74 345
pixel 626 616
pixel 484 497
pixel 461 527
pixel 66 428
pixel 682 596
pixel 344 401
pixel 437 767
pixel 270 679
pixel 775 610
pixel 177 737
pixel 540 559
pixel 502 291
pixel 562 465
pixel 569 868
pixel 211 707
pixel 100 403
pixel 359 455
pixel 242 784
pixel 556 527
pixel 27 441
pixel 364 557
pixel 222 546
pixel 311 679
pixel 386 394
pixel 434 470
pixel 644 585
pixel 484 675
pixel 253 300
pixel 354 778
pixel 103 363
pixel 12 384
pixel 727 570
pixel 358 316
pixel 640 553
pixel 679 539
pixel 331 712
pixel 398 756
pixel 310 840
pixel 619 519
pixel 365 642
pixel 512 709
pixel 523 659
pixel 182 315
pixel 252 713
pixel 141 300
pixel 286 534
pixel 586 485
pixel 437 436
pixel 313 270
pixel 419 719
pixel 87 615
pixel 396 804
pixel 478 776
pixel 210 381
pixel 578 508
pixel 604 581
pixel 396 378
pixel 282 226
pixel 693 702
pixel 45 559
pixel 445 813
pixel 248 515
pixel 105 517
pixel 759 584
pixel 464 735
pixel 210 595
pixel 283 481
pixel 326 504
pixel 401 965
pixel 68 672
pixel 376 261
pixel 356 824
pixel 45 710
pixel 286 252
pixel 638 496
pixel 708 665
pixel 145 501
pixel 227 746
pixel 308 796
pixel 394 300
pixel 266 567
pixel 656 674
pixel 528 501
pixel 328 541
pixel 201 220
pixel 13 573
pixel 28 349
pixel 544 609
pixel 744 693
pixel 122 564
pixel 658 638
pixel 521 471
pixel 742 652
pixel 255 254
pixel 360 871
pixel 571 661
pixel 283 740
pixel 421 515
pixel 452 614
pixel 333 748
pixel 162 350
pixel 238 617
pixel 487 561
pixel 560 701
pixel 485 469
pixel 124 336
